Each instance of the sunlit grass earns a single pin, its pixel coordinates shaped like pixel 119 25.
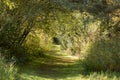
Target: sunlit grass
pixel 91 76
pixel 54 68
pixel 8 71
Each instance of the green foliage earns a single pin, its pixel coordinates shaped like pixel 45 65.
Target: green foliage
pixel 7 70
pixel 28 26
pixel 103 55
pixel 20 54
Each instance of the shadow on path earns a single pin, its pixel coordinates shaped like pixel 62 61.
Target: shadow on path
pixel 54 68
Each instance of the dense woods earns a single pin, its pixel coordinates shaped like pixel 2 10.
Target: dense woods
pixel 37 34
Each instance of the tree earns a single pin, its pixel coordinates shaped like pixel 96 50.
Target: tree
pixel 18 18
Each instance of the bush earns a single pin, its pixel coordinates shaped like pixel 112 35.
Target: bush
pixel 7 70
pixel 103 55
pixel 20 54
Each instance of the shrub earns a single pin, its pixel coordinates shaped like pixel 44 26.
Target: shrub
pixel 7 70
pixel 20 54
pixel 103 55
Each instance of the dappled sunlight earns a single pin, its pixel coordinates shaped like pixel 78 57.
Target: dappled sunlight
pixel 60 39
pixel 64 72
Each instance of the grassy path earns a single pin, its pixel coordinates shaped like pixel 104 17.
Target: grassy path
pixel 60 67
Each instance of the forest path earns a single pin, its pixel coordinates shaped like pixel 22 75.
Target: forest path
pixel 53 67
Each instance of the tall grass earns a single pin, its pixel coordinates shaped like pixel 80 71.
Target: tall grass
pixel 7 70
pixel 103 55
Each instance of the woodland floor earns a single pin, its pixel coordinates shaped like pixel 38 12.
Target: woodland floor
pixel 60 67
